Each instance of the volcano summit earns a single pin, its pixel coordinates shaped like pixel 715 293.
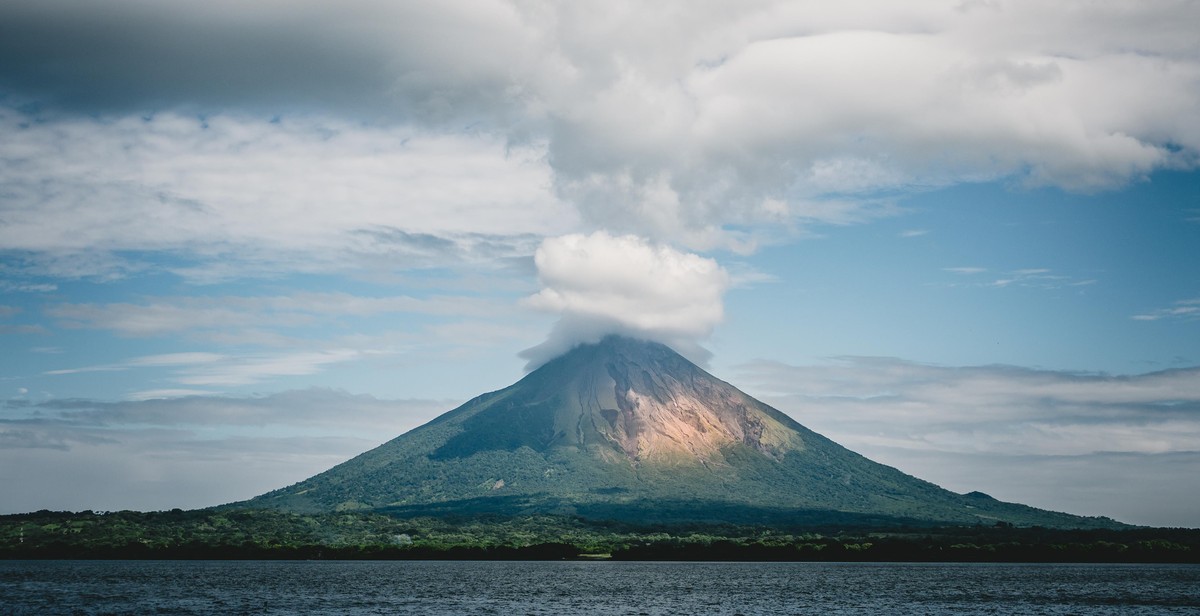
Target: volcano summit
pixel 630 430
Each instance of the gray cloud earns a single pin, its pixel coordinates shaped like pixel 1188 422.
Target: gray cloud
pixel 214 370
pixel 1185 309
pixel 302 333
pixel 367 57
pixel 326 409
pixel 1030 278
pixel 166 315
pixel 1006 430
pixel 29 439
pixel 186 452
pixel 1134 488
pixel 155 470
pixel 709 126
pixel 84 195
pixel 7 312
pixel 22 329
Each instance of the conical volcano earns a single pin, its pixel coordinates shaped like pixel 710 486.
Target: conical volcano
pixel 627 429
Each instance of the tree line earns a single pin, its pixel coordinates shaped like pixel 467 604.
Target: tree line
pixel 269 534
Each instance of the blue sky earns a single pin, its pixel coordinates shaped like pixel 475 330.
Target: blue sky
pixel 962 238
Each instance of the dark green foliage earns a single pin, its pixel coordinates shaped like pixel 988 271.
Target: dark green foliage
pixel 265 534
pixel 251 534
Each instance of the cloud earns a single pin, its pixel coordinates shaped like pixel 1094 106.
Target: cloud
pixel 22 329
pixel 1002 429
pixel 965 270
pixel 1186 309
pixel 253 369
pixel 1133 488
pixel 731 112
pixel 603 284
pixel 1027 411
pixel 28 439
pixel 194 451
pixel 313 408
pixel 165 394
pixel 231 341
pixel 26 287
pixel 367 56
pixel 166 315
pixel 711 127
pixel 211 369
pixel 7 312
pixel 162 469
pixel 1031 278
pixel 259 195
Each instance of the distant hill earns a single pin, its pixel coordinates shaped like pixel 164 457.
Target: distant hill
pixel 629 430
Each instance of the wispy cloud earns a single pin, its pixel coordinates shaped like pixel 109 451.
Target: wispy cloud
pixel 326 409
pixel 310 195
pixel 1185 309
pixel 255 368
pixel 216 370
pixel 192 451
pixel 995 409
pixel 180 314
pixel 1035 436
pixel 25 287
pixel 1030 278
pixel 7 312
pixel 22 329
pixel 176 359
pixel 165 394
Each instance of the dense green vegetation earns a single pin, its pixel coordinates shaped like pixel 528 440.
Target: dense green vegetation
pixel 269 534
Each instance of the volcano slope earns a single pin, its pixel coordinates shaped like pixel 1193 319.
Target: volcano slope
pixel 628 430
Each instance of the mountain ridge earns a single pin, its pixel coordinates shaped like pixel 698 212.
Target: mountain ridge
pixel 629 429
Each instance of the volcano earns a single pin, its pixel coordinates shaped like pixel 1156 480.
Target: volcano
pixel 630 430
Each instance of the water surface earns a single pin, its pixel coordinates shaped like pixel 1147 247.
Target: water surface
pixel 571 588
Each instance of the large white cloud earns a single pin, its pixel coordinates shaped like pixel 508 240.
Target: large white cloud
pixel 704 125
pixel 800 101
pixel 300 194
pixel 603 284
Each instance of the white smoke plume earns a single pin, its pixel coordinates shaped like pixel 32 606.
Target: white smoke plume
pixel 603 284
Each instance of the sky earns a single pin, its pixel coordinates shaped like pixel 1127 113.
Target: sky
pixel 243 242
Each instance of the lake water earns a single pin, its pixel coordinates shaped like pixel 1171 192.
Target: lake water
pixel 554 588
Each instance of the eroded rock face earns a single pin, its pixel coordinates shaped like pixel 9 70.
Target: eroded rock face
pixel 661 409
pixel 626 401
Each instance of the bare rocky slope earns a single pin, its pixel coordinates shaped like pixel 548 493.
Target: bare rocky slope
pixel 630 430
